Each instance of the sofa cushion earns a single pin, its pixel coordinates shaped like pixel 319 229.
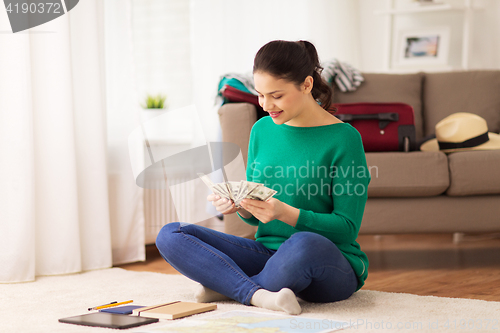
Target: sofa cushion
pixel 413 174
pixel 474 173
pixel 442 213
pixel 382 88
pixel 464 91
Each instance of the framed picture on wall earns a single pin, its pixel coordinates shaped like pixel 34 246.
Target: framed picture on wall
pixel 423 47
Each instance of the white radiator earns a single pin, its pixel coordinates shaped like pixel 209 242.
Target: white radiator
pixel 159 208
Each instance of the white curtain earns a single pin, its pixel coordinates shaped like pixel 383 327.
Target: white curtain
pixel 56 213
pixel 123 117
pixel 53 197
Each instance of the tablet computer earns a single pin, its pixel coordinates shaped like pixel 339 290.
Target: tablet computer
pixel 111 320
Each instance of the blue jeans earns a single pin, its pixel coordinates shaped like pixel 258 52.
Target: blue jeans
pixel 307 263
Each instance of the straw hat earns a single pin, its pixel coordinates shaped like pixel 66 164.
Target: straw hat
pixel 462 131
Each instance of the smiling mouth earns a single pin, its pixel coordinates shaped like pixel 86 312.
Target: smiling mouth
pixel 275 114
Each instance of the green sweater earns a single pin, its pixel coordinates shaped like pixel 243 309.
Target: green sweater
pixel 321 171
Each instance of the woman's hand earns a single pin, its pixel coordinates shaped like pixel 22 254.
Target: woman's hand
pixel 272 209
pixel 222 205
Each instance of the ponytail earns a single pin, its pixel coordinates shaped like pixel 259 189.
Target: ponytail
pixel 321 90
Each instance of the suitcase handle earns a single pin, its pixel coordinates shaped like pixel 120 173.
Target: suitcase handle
pixel 383 118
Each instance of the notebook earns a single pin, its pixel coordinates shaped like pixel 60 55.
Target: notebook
pixel 173 310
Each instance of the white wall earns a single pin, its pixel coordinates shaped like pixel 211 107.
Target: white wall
pixel 335 29
pixel 485 44
pixel 486 41
pixel 373 35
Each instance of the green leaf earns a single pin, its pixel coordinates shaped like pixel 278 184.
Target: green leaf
pixel 155 102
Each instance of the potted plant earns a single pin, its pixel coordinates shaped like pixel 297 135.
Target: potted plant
pixel 155 102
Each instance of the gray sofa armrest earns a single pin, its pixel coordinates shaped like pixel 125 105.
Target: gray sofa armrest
pixel 236 120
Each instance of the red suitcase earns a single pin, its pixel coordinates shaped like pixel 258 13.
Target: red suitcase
pixel 383 126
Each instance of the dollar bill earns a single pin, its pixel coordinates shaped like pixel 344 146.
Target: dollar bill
pixel 234 188
pixel 211 185
pixel 237 191
pixel 246 187
pixel 261 193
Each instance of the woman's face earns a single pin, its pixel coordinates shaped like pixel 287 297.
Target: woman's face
pixel 281 98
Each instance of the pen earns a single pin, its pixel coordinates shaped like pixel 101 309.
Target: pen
pixel 95 307
pixel 111 305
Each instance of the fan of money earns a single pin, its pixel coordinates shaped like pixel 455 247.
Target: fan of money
pixel 237 191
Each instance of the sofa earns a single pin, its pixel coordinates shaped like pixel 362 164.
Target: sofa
pixel 416 191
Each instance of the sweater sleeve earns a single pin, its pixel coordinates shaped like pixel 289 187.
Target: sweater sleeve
pixel 252 220
pixel 348 192
pixel 250 159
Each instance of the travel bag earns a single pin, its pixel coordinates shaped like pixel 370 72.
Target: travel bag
pixel 234 95
pixel 383 126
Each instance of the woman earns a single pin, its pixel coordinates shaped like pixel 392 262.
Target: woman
pixel 306 239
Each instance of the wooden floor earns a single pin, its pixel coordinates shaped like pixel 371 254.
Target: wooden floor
pixel 417 264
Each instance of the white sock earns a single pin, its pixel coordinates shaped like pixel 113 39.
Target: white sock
pixel 283 300
pixel 203 294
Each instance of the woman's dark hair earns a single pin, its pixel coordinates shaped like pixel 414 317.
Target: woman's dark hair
pixel 294 61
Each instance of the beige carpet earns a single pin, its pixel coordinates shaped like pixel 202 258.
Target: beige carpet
pixel 37 306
